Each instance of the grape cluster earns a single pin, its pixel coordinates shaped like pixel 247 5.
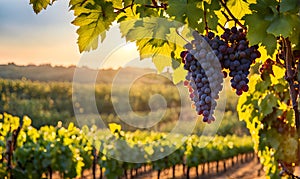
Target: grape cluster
pixel 235 55
pixel 204 77
pixel 205 60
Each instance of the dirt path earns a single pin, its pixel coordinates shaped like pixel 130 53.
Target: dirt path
pixel 248 170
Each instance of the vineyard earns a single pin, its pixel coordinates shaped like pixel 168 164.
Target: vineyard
pixel 48 103
pixel 27 152
pixel 252 46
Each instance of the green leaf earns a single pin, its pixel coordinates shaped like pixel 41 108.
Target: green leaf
pixel 175 63
pixel 149 27
pixel 79 4
pixel 187 12
pixel 127 2
pixel 212 18
pixel 267 104
pixel 116 3
pixel 39 5
pixel 287 5
pixel 147 2
pixel 280 26
pixel 213 5
pixel 179 74
pixel 257 32
pixel 295 34
pixel 265 9
pixel 93 21
pixel 257 27
pixel 146 11
pixel 270 42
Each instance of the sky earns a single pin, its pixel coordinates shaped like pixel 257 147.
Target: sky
pixel 49 37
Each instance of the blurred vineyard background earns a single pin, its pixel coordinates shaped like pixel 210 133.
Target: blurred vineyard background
pixel 41 138
pixel 44 93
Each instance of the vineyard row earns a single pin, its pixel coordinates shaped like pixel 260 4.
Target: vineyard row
pixel 27 152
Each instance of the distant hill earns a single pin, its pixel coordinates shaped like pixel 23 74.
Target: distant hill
pixel 47 73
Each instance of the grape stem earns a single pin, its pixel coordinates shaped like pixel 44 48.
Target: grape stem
pixel 155 5
pixel 220 25
pixel 178 33
pixel 232 16
pixel 205 21
pixel 289 58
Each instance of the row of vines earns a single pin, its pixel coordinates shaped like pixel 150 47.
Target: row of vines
pixel 27 152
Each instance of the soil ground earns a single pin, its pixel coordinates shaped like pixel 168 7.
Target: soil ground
pixel 250 169
pixel 247 170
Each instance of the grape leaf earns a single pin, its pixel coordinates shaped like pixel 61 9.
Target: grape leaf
pixel 212 20
pixel 239 8
pixel 116 3
pixel 161 62
pixel 280 26
pixel 179 74
pixel 127 2
pixel 264 7
pixel 78 4
pixel 146 11
pixel 279 73
pixel 187 12
pixel 152 39
pixel 39 5
pixel 211 16
pixel 148 2
pixel 176 42
pixel 127 20
pixel 294 20
pixel 175 63
pixel 267 104
pixel 256 28
pixel 270 42
pixel 113 127
pixel 93 20
pixel 158 49
pixel 257 32
pixel 148 27
pixel 287 5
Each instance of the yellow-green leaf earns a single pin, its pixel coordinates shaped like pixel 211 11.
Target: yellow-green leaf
pixel 113 127
pixel 179 74
pixel 93 20
pixel 39 5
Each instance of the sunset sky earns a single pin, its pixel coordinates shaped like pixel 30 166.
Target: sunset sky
pixel 49 37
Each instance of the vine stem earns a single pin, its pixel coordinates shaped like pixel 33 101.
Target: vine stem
pixel 205 21
pixel 220 25
pixel 289 58
pixel 232 16
pixel 287 171
pixel 155 5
